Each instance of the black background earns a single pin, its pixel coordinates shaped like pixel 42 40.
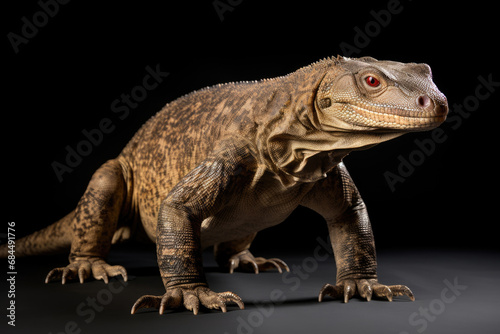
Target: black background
pixel 66 77
pixel 439 225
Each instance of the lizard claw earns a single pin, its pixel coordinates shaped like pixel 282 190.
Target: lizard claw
pixel 190 297
pixel 83 269
pixel 247 262
pixel 365 288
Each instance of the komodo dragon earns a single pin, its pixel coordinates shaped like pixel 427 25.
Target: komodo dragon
pixel 218 165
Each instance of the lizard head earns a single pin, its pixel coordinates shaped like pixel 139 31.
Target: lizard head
pixel 366 94
pixel 358 103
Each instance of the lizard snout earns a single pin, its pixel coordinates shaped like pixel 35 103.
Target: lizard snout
pixel 427 104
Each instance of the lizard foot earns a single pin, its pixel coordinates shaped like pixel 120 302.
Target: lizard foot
pixel 364 288
pixel 190 297
pixel 82 268
pixel 247 262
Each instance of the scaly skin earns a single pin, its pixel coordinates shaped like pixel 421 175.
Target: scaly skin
pixel 218 165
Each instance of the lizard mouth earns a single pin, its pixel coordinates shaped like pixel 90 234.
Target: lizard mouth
pixel 384 117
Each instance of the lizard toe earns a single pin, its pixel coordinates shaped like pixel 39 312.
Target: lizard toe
pixel 269 264
pixel 148 301
pixel 54 275
pixel 333 291
pixel 172 299
pixel 402 290
pixel 102 270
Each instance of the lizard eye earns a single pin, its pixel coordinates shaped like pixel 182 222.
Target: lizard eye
pixel 372 81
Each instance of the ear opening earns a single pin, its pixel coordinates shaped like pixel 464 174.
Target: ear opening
pixel 367 59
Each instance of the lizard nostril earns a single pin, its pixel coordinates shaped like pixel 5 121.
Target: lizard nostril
pixel 423 101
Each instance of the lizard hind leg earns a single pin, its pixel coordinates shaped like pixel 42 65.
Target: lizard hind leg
pixel 94 224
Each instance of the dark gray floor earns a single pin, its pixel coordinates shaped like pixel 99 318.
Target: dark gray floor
pixel 456 292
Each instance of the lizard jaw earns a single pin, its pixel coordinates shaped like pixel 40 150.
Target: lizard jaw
pixel 389 118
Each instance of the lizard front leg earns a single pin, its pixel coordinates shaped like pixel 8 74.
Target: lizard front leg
pixel 338 200
pixel 181 268
pixel 354 249
pixel 200 194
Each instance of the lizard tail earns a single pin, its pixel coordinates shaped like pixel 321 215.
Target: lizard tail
pixel 53 239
